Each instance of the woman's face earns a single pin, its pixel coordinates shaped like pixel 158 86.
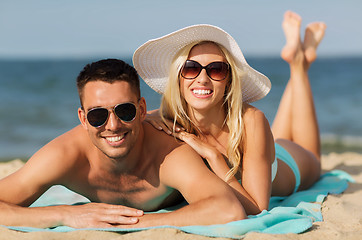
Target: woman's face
pixel 203 93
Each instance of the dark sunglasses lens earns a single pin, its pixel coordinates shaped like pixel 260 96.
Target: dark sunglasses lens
pixel 97 117
pixel 217 70
pixel 191 70
pixel 126 111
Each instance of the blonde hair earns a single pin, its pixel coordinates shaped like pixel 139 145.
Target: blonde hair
pixel 174 106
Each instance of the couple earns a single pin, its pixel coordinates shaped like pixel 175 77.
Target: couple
pixel 122 163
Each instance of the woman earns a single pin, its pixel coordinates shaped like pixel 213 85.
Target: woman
pixel 207 86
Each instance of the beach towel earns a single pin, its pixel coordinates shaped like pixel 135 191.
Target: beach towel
pixel 293 214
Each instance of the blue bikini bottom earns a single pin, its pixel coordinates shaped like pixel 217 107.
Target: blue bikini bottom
pixel 284 156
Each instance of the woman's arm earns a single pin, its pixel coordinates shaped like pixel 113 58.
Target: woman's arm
pixel 254 192
pixel 258 156
pixel 219 166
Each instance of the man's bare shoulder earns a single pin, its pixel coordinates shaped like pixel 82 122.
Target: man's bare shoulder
pixel 75 141
pixel 185 154
pixel 78 136
pixel 165 148
pixel 64 152
pixel 159 140
pixel 58 162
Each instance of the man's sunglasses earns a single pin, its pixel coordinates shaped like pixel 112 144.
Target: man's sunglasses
pixel 126 112
pixel 217 71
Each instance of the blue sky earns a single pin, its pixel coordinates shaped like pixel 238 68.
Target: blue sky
pixel 115 28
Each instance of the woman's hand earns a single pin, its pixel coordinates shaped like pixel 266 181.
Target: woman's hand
pixel 204 149
pixel 154 118
pixel 207 151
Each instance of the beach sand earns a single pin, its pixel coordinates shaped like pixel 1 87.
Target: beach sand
pixel 342 213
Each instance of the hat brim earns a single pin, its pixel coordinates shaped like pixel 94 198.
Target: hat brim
pixel 153 59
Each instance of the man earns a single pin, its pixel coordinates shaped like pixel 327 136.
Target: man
pixel 120 163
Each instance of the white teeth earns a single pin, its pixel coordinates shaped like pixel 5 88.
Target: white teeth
pixel 114 139
pixel 201 91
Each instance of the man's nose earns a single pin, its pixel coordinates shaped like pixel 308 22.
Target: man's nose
pixel 113 122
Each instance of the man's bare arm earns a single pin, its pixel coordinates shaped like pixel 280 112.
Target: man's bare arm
pixel 97 215
pixel 211 200
pixel 54 164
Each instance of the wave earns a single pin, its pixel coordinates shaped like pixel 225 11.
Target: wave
pixel 341 143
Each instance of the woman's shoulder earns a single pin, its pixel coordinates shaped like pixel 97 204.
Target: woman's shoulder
pixel 252 114
pixel 256 124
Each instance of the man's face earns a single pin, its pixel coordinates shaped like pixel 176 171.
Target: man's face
pixel 115 138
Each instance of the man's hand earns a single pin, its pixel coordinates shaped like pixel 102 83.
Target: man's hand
pixel 91 215
pixel 99 215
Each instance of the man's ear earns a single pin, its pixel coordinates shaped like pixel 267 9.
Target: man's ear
pixel 82 118
pixel 142 108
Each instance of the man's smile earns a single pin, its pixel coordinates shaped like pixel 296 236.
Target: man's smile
pixel 116 140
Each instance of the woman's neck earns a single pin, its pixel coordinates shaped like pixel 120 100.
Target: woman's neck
pixel 213 128
pixel 210 122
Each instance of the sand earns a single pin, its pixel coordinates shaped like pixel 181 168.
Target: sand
pixel 342 213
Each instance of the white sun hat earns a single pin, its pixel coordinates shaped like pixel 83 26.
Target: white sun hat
pixel 153 59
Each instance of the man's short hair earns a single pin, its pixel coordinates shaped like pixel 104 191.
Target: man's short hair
pixel 110 71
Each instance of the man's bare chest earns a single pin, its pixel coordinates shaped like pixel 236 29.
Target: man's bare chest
pixel 127 190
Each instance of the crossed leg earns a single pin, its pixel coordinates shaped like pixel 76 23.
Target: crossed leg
pixel 295 126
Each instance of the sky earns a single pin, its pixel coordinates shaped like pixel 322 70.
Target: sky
pixel 115 28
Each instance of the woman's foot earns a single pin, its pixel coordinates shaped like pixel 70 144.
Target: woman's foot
pixel 291 27
pixel 314 34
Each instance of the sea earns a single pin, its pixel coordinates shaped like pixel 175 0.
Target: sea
pixel 39 100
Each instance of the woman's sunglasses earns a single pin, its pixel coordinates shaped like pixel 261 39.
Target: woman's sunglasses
pixel 217 71
pixel 126 112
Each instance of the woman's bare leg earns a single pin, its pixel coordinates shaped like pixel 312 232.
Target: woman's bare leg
pixel 295 126
pixel 314 34
pixel 296 118
pixel 282 123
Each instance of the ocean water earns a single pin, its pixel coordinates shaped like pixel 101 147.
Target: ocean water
pixel 39 100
